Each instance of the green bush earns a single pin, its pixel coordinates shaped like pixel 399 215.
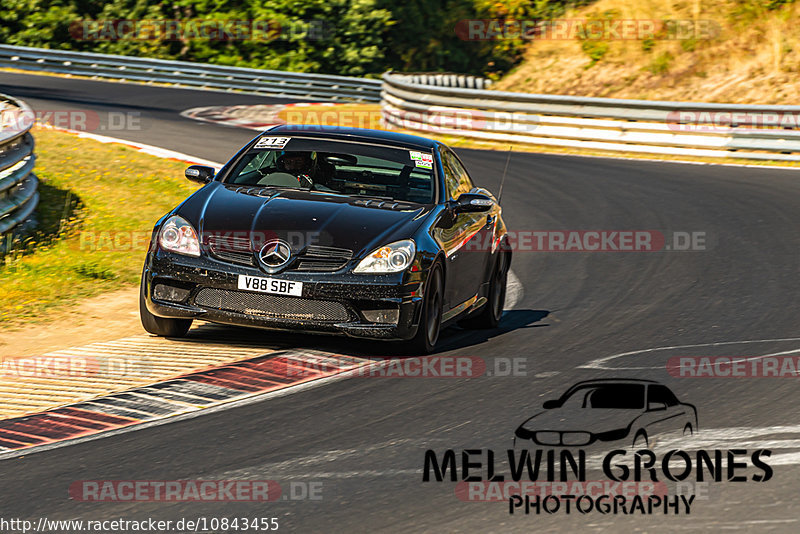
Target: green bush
pixel 595 50
pixel 660 64
pixel 357 37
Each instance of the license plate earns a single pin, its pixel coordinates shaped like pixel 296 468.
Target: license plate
pixel 270 285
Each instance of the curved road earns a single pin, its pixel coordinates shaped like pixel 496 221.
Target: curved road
pixel 364 438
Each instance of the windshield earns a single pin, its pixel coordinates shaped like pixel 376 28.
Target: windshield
pixel 615 396
pixel 353 169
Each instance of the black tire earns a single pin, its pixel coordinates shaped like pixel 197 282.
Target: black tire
pixel 489 316
pixel 160 326
pixel 430 321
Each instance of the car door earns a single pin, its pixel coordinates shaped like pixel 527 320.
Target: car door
pixel 666 415
pixel 454 233
pixel 477 248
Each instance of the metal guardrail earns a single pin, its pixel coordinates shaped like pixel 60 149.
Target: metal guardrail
pixel 444 79
pixel 18 184
pixel 195 75
pixel 653 127
pixel 462 105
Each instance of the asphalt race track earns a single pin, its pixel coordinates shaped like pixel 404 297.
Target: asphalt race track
pixel 364 438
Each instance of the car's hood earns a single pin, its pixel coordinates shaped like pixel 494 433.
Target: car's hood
pixel 595 420
pixel 300 217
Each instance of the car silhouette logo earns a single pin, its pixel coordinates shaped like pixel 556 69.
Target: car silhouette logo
pixel 608 410
pixel 275 254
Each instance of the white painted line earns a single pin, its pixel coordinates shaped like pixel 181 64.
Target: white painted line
pixel 600 363
pixel 141 147
pixel 792 458
pixel 660 160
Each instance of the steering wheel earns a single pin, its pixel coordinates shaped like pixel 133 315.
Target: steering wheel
pixel 307 178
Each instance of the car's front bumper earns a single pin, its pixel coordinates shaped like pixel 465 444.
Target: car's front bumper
pixel 397 297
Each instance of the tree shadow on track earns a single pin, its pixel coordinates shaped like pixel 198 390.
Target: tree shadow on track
pixel 451 338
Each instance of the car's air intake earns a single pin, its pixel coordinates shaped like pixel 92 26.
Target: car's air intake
pixel 264 305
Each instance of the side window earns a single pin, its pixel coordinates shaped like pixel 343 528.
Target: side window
pixel 450 176
pixel 658 393
pixel 464 183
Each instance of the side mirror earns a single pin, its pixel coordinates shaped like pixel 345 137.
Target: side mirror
pixel 200 173
pixel 549 405
pixel 473 203
pixel 656 406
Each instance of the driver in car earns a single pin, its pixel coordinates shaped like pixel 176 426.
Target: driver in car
pixel 297 164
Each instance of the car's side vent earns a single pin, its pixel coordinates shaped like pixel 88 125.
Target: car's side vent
pixel 384 204
pixel 257 191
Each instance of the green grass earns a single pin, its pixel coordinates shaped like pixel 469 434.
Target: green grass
pixel 94 197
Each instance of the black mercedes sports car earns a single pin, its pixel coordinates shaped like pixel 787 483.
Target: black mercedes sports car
pixel 318 229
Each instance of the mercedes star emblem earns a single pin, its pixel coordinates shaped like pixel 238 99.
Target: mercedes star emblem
pixel 275 254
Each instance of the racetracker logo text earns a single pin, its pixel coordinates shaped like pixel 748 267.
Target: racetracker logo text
pixel 200 30
pixel 607 29
pixel 193 491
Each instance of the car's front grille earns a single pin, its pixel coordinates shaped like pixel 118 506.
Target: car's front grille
pixel 262 304
pixel 323 259
pixel 232 249
pixel 554 439
pixel 314 258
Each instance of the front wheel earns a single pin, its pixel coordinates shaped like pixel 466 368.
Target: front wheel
pixel 431 318
pixel 161 326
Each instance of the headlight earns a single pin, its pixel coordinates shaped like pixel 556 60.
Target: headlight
pixel 177 235
pixel 391 258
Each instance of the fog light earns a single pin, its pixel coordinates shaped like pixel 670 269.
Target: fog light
pixel 170 293
pixel 382 316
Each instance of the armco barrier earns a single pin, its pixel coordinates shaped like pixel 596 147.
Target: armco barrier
pixel 195 75
pixel 757 132
pixel 462 105
pixel 18 184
